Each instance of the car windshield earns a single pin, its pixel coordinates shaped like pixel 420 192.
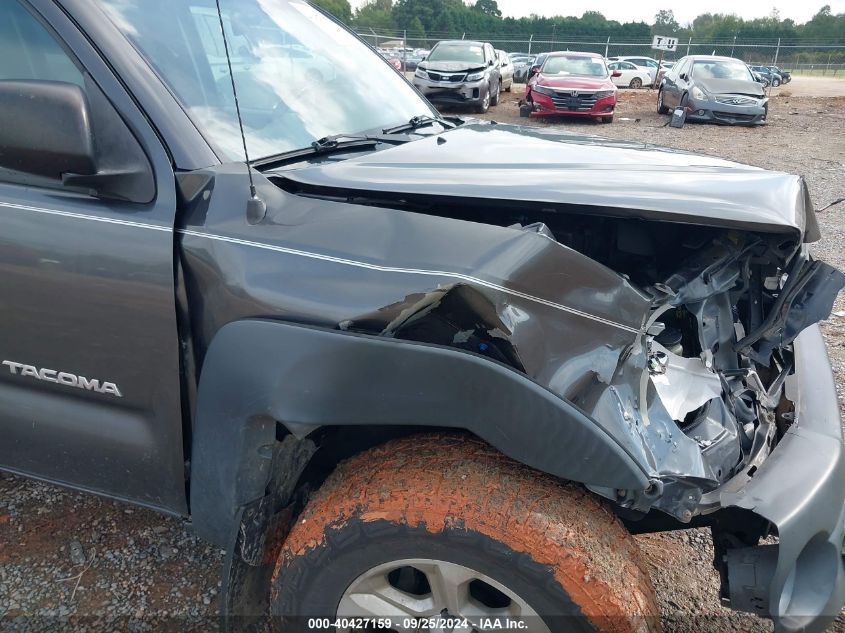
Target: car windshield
pixel 564 65
pixel 721 69
pixel 457 52
pixel 300 76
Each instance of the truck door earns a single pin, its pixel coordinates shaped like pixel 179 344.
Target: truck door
pixel 90 374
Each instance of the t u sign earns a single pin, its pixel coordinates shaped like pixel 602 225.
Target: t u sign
pixel 663 43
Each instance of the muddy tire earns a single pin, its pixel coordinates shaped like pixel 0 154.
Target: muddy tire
pixel 386 520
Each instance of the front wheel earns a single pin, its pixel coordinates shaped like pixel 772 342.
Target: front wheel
pixel 636 83
pixel 494 100
pixel 445 526
pixel 661 108
pixel 607 119
pixel 775 83
pixel 484 104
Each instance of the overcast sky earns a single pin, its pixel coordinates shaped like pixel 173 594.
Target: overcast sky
pixel 644 10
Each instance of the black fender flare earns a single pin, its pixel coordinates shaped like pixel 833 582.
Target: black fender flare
pixel 260 372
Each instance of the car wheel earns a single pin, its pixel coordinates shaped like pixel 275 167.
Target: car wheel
pixel 494 100
pixel 636 83
pixel 525 110
pixel 484 105
pixel 497 540
pixel 661 109
pixel 775 82
pixel 607 119
pixel 510 86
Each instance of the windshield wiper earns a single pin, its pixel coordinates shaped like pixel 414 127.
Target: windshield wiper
pixel 321 147
pixel 417 122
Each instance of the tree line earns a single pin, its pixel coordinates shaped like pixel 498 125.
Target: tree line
pixel 436 19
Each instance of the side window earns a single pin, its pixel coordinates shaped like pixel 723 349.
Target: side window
pixel 29 51
pixel 651 63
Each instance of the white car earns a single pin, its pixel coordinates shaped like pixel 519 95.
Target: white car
pixel 631 76
pixel 643 63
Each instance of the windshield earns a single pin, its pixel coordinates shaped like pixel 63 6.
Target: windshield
pixel 587 66
pixel 299 75
pixel 457 52
pixel 721 69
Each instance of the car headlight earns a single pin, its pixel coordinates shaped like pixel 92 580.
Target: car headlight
pixel 698 93
pixel 543 90
pixel 601 94
pixel 475 76
pixel 421 74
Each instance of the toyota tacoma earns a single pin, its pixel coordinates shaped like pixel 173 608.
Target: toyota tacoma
pixel 408 371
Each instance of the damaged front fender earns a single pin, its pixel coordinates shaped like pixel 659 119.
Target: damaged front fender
pixel 626 325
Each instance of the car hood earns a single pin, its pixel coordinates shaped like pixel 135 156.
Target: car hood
pixel 603 176
pixel 574 83
pixel 451 67
pixel 731 86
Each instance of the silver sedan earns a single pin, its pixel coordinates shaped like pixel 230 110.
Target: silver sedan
pixel 713 89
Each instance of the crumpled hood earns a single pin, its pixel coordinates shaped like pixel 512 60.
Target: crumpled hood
pixel 451 67
pixel 731 87
pixel 622 178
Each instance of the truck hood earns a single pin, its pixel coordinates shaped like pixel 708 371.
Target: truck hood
pixel 603 176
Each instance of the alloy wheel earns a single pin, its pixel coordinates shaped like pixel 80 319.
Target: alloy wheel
pixel 407 590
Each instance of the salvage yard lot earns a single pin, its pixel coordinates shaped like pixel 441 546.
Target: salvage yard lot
pixel 65 554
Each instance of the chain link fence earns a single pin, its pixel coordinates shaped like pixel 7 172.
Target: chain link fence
pixel 816 58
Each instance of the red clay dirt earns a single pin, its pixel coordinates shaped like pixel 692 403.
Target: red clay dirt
pixel 439 482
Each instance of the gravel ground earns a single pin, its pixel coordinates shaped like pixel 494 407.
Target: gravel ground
pixel 70 557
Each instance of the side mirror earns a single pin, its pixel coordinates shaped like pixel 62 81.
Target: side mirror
pixel 534 70
pixel 683 76
pixel 46 129
pixel 58 131
pixel 616 73
pixel 422 57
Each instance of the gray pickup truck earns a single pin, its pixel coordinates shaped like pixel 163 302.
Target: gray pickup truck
pixel 410 372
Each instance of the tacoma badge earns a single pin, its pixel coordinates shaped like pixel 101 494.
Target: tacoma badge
pixel 62 378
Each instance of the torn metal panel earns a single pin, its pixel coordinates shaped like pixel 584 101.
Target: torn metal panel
pixel 683 384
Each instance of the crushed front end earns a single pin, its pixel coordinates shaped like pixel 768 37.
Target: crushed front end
pixel 670 298
pixel 730 391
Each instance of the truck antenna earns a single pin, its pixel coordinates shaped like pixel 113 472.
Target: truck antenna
pixel 256 208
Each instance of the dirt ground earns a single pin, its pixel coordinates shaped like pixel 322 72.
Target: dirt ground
pixel 802 86
pixel 66 556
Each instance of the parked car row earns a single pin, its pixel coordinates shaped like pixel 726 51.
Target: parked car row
pixel 407 57
pixel 708 87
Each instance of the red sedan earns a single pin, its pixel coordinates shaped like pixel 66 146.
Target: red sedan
pixel 571 84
